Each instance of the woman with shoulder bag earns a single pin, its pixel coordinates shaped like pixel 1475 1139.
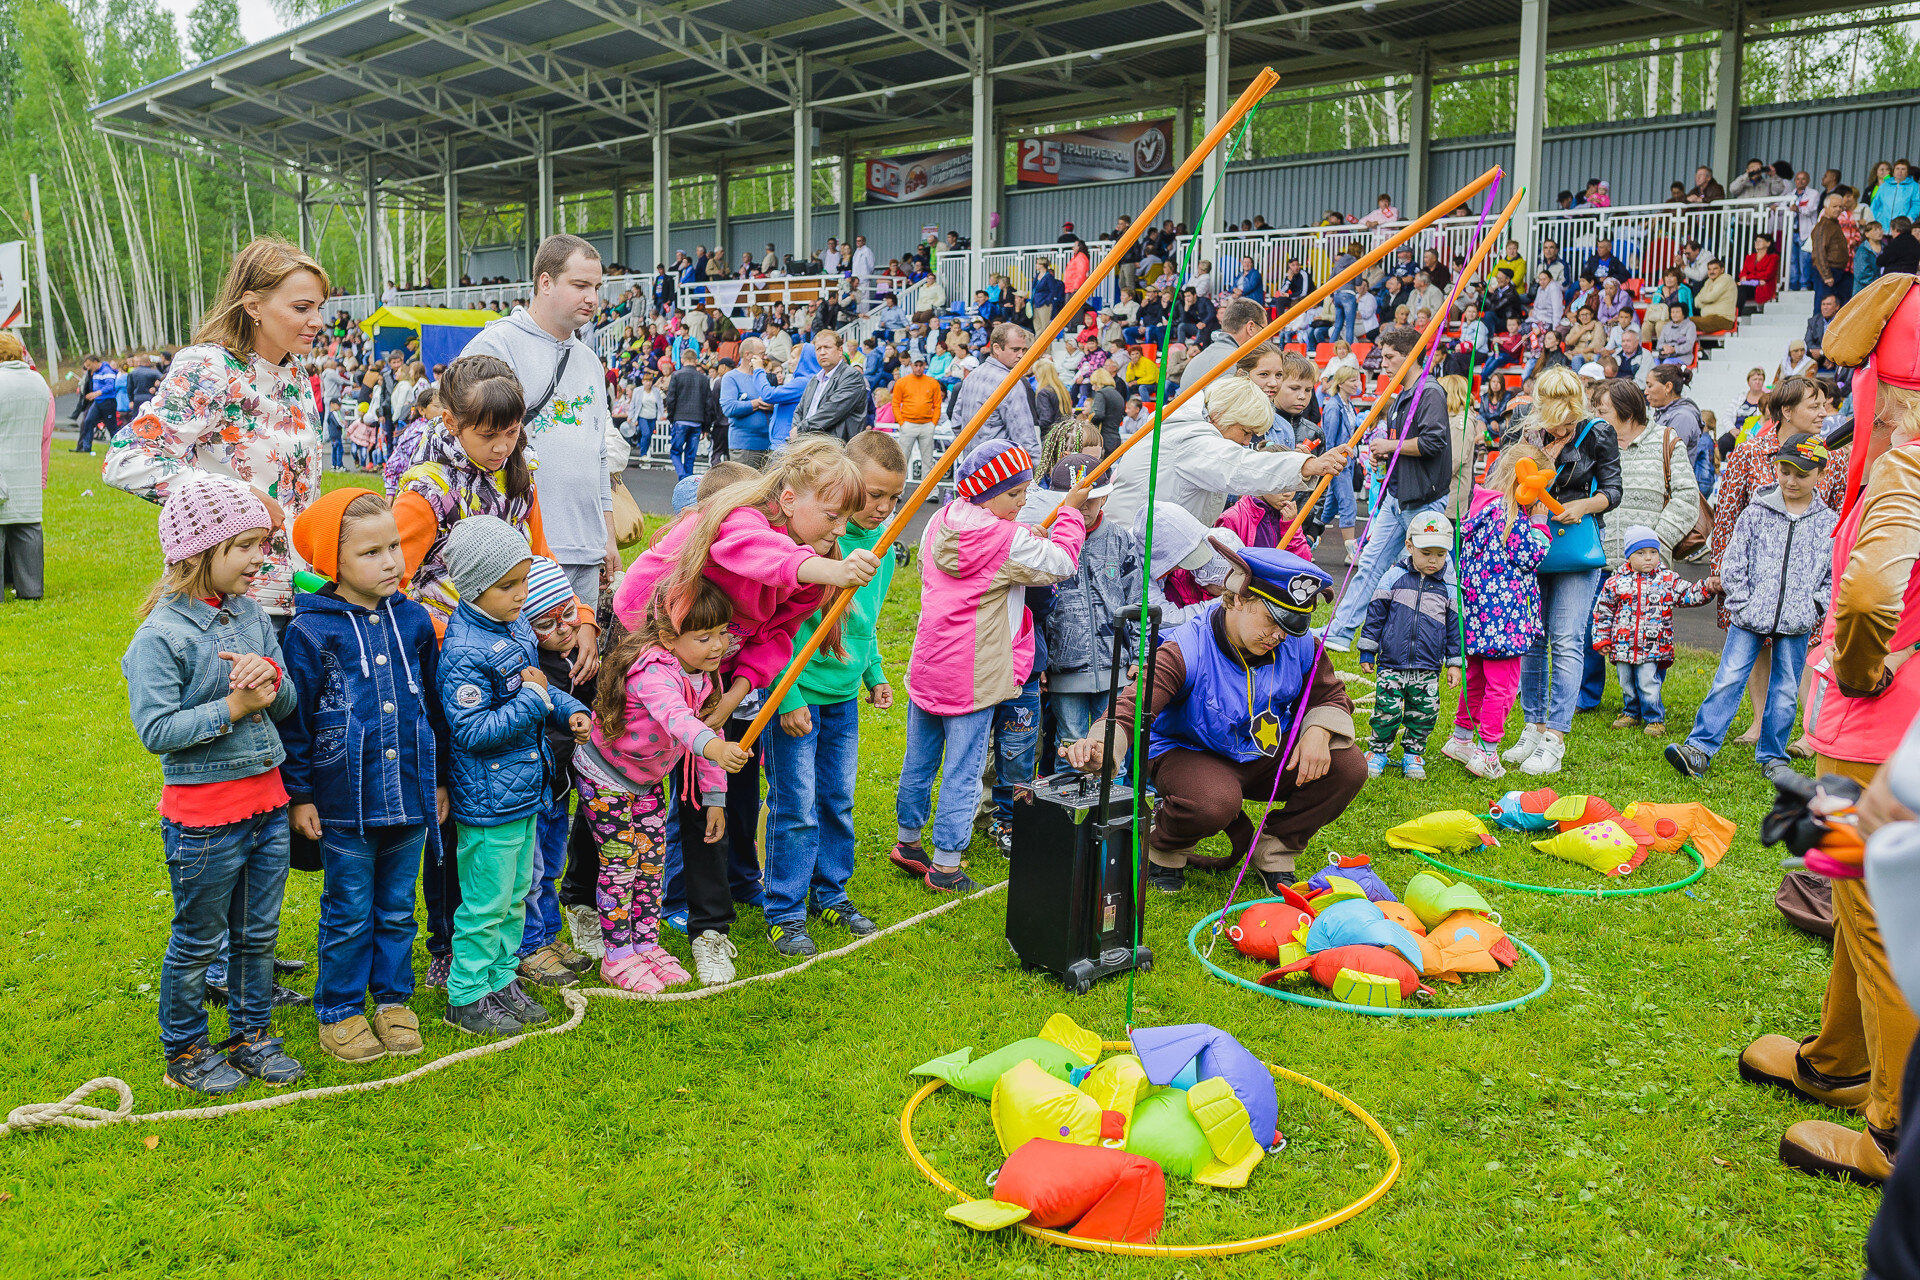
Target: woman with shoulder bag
pixel 1586 459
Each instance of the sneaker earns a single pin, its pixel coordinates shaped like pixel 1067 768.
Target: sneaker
pixel 1166 879
pixel 399 1029
pixel 201 1068
pixel 951 880
pixel 1483 763
pixel 259 1055
pixel 791 940
pixel 1655 729
pixel 669 969
pixel 847 916
pixel 1521 751
pixel 525 1009
pixel 1687 759
pixel 544 968
pixel 911 858
pixel 1414 767
pixel 1546 757
pixel 1376 763
pixel 1461 749
pixel 568 956
pixel 284 996
pixel 1779 772
pixel 631 972
pixel 438 967
pixel 1624 721
pixel 288 966
pixel 676 921
pixel 484 1017
pixel 351 1040
pixel 1001 833
pixel 1274 881
pixel 584 924
pixel 713 954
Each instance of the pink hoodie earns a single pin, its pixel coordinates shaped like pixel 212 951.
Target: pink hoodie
pixel 974 645
pixel 1247 517
pixel 757 566
pixel 663 725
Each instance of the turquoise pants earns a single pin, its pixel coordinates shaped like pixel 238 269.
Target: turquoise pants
pixel 496 871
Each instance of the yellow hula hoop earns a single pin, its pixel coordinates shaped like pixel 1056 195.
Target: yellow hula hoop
pixel 1252 1244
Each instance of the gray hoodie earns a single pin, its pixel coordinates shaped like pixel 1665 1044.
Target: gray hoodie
pixel 569 434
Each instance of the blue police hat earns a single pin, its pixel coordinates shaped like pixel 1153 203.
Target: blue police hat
pixel 1287 584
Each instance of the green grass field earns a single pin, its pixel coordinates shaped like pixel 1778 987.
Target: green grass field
pixel 1599 1131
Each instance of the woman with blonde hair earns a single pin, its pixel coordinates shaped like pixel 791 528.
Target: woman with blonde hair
pixel 1051 393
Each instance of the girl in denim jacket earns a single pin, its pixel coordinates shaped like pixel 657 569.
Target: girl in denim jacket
pixel 205 681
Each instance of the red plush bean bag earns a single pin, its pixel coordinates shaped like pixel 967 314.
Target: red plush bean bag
pixel 1095 1192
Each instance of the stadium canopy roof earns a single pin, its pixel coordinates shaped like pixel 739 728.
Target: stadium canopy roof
pixel 401 92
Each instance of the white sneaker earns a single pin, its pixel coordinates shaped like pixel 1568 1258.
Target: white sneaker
pixel 1522 750
pixel 1484 764
pixel 1461 749
pixel 1546 757
pixel 713 954
pixel 583 922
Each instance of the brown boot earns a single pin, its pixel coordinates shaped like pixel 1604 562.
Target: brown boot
pixel 399 1029
pixel 351 1040
pixel 1835 1151
pixel 1776 1061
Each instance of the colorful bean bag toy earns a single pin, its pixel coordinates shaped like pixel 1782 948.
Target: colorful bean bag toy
pixel 1361 923
pixel 1264 928
pixel 1029 1103
pixel 1433 897
pixel 1326 966
pixel 1604 846
pixel 1117 1084
pixel 1093 1192
pixel 1574 812
pixel 1202 1133
pixel 1471 943
pixel 1060 1046
pixel 1166 1051
pixel 1402 914
pixel 1524 810
pixel 1673 825
pixel 1358 870
pixel 1448 831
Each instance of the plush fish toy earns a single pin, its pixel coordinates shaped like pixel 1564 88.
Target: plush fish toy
pixel 1524 810
pixel 1096 1193
pixel 1061 1046
pixel 1448 831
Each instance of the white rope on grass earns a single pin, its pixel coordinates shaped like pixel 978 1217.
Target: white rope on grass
pixel 72 1111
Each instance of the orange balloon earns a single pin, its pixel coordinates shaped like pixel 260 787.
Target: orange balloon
pixel 1530 484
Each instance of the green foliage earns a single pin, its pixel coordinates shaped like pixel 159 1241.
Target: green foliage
pixel 213 28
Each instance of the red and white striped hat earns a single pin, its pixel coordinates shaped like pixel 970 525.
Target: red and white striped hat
pixel 992 469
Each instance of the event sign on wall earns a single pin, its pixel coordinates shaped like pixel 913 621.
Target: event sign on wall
pixel 1112 154
pixel 13 284
pixel 894 179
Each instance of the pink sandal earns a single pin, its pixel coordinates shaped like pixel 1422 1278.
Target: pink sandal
pixel 631 973
pixel 670 971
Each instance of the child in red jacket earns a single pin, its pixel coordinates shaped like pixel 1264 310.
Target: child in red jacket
pixel 1633 626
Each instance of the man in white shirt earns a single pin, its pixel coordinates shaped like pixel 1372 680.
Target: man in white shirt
pixel 1202 280
pixel 862 257
pixel 830 257
pixel 1806 212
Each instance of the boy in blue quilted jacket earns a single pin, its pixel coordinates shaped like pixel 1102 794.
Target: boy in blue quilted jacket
pixel 1412 631
pixel 497 701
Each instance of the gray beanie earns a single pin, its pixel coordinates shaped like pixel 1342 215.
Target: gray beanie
pixel 481 550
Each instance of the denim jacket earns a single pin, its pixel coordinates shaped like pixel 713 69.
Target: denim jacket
pixel 177 687
pixel 501 761
pixel 364 739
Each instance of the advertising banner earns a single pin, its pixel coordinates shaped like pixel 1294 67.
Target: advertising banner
pixel 13 284
pixel 896 179
pixel 1111 154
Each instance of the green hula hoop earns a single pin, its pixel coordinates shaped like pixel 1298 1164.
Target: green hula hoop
pixel 1699 869
pixel 1291 997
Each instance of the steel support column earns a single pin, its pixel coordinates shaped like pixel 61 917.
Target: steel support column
pixel 802 160
pixel 1530 94
pixel 721 223
pixel 372 264
pixel 843 197
pixel 305 211
pixel 662 198
pixel 450 201
pixel 1726 105
pixel 618 198
pixel 1184 209
pixel 545 175
pixel 1419 130
pixel 989 158
pixel 1214 106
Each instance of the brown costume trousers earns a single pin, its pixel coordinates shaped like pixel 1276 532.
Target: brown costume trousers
pixel 1201 794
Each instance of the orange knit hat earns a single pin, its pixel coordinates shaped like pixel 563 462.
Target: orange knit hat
pixel 316 531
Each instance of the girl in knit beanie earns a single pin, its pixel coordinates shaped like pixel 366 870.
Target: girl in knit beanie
pixel 205 685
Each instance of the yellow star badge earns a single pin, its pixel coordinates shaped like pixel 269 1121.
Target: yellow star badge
pixel 1266 732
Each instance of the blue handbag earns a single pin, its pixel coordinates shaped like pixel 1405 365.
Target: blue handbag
pixel 1576 547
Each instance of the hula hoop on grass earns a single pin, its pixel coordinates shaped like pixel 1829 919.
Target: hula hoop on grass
pixel 1315 1002
pixel 1699 869
pixel 1251 1244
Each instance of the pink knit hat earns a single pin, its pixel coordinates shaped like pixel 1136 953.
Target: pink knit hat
pixel 203 511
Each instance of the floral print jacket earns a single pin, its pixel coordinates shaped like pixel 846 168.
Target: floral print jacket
pixel 215 412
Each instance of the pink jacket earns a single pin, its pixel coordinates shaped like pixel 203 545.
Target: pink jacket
pixel 1259 525
pixel 974 645
pixel 757 566
pixel 663 725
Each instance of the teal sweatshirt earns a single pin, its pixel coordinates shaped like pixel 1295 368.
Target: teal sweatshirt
pixel 827 679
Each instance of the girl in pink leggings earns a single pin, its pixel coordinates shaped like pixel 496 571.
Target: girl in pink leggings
pixel 1500 548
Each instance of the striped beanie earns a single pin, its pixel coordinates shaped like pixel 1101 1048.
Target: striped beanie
pixel 204 510
pixel 993 468
pixel 547 588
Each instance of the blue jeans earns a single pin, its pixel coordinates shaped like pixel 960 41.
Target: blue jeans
pixel 1074 714
pixel 1640 691
pixel 962 743
pixel 1730 685
pixel 1550 685
pixel 1800 272
pixel 549 860
pixel 227 884
pixel 1016 740
pixel 1593 665
pixel 642 438
pixel 1386 542
pixel 338 444
pixel 1841 288
pixel 366 918
pixel 810 781
pixel 1346 312
pixel 1339 506
pixel 686 447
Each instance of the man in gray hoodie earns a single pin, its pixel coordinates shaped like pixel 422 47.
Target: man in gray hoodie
pixel 567 415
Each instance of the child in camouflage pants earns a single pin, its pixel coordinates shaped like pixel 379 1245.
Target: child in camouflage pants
pixel 1411 633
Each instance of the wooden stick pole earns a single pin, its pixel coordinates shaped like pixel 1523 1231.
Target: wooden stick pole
pixel 1245 103
pixel 1189 390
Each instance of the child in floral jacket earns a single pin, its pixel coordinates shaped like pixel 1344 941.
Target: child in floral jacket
pixel 1633 626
